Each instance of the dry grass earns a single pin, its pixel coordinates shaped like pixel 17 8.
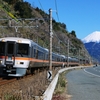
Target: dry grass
pixel 60 92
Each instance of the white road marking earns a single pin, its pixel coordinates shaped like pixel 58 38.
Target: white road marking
pixel 91 73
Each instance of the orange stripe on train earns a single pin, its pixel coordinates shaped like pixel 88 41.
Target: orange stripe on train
pixel 29 59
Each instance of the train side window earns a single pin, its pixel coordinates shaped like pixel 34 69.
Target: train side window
pixel 40 55
pixel 44 56
pixel 36 54
pixel 63 60
pixel 32 53
pixel 58 59
pixel 47 57
pixel 53 58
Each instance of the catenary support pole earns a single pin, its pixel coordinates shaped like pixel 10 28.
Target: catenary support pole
pixel 50 47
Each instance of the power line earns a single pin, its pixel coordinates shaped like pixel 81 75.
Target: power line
pixel 40 5
pixel 56 10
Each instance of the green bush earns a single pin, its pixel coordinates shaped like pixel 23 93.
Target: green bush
pixel 62 81
pixel 9 96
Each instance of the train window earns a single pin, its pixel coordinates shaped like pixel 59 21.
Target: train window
pixel 10 48
pixel 54 58
pixel 2 48
pixel 40 55
pixel 46 57
pixel 63 60
pixel 22 50
pixel 58 59
pixel 34 53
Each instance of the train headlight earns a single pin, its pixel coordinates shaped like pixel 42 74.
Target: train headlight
pixel 0 61
pixel 3 40
pixel 19 41
pixel 20 62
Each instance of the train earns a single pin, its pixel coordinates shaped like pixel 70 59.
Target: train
pixel 19 56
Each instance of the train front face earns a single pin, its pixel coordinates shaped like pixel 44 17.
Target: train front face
pixel 14 58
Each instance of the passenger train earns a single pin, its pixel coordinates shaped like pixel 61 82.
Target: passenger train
pixel 19 56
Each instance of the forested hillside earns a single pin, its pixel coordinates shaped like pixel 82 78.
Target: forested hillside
pixel 20 19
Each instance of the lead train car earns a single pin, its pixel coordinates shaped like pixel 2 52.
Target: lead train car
pixel 19 55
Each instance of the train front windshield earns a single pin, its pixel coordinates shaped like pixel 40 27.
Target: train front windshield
pixel 21 50
pixel 2 48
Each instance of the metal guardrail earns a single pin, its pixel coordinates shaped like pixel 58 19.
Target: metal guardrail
pixel 49 92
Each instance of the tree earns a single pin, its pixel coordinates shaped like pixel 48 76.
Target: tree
pixel 24 9
pixel 12 1
pixel 63 25
pixel 73 33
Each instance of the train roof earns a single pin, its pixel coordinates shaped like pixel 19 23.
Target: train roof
pixel 22 40
pixel 17 39
pixel 63 56
pixel 46 49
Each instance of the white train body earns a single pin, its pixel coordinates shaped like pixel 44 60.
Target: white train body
pixel 19 55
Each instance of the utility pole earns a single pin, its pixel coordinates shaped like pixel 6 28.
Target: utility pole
pixel 79 57
pixel 68 54
pixel 50 47
pixel 51 33
pixel 59 46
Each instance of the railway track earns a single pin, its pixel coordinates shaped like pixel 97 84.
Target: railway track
pixel 5 80
pixel 26 86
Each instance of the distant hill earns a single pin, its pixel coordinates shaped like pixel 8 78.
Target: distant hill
pixel 17 9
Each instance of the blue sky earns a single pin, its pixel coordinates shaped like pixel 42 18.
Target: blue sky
pixel 82 16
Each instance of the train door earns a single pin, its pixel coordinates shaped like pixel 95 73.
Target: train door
pixel 10 53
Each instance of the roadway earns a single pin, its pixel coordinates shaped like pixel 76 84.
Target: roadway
pixel 84 84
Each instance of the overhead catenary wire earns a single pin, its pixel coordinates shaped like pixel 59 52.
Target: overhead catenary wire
pixel 57 10
pixel 41 5
pixel 56 13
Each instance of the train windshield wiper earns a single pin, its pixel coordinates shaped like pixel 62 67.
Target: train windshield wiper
pixel 20 53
